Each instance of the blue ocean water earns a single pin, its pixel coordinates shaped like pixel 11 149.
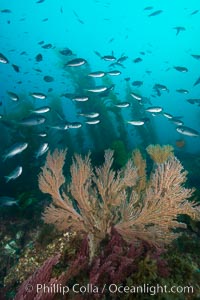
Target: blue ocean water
pixel 107 27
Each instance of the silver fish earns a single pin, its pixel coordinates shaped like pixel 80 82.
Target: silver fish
pixel 122 104
pixel 181 69
pixel 7 201
pixel 42 134
pixel 177 121
pixel 80 98
pixel 14 150
pixel 154 109
pixel 13 96
pixel 93 122
pixel 90 115
pixel 160 87
pixel 196 56
pixel 38 96
pixel 14 174
pixel 32 121
pixel 114 73
pixel 168 116
pixel 136 96
pixel 97 74
pixel 41 110
pixel 187 131
pixel 74 125
pixel 197 81
pixel 182 91
pixel 76 62
pixel 98 89
pixel 155 13
pixel 136 122
pixel 108 57
pixel 60 127
pixel 42 149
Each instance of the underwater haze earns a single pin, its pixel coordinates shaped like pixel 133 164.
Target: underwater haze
pixel 87 76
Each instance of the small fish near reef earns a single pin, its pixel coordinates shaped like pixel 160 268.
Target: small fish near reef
pixel 180 143
pixel 14 174
pixel 14 150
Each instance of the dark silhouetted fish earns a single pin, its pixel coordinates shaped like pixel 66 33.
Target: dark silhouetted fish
pixel 38 57
pixel 47 46
pixel 40 1
pixel 181 69
pixel 66 52
pixel 191 101
pixel 155 13
pixel 196 56
pixel 108 57
pixel 179 29
pixel 137 83
pixel 38 70
pixel 137 60
pixel 148 8
pixel 48 78
pixel 197 81
pixel 194 12
pixel 122 59
pixel 77 17
pixel 160 87
pixel 136 96
pixel 97 53
pixel 6 11
pixel 16 68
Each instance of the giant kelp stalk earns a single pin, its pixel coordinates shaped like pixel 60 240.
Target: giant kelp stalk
pixel 147 132
pixel 106 198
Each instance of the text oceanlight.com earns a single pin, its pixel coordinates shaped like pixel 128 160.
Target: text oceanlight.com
pixel 111 288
